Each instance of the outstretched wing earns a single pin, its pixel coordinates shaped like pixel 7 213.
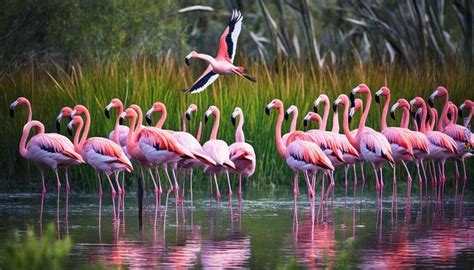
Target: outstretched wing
pixel 228 40
pixel 206 79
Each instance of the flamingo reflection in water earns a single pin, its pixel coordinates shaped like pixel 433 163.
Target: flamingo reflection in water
pixel 233 252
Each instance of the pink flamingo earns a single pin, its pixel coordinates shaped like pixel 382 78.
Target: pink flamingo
pixel 372 145
pixel 22 101
pixel 102 154
pixel 349 153
pixel 399 138
pixel 300 155
pixel 187 116
pixel 468 105
pixel 359 106
pixel 47 150
pixel 441 145
pixel 460 134
pixel 241 153
pixel 218 150
pixel 223 63
pixel 184 139
pixel 418 139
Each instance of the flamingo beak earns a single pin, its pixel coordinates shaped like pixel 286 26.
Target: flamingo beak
pixel 69 129
pixel 187 58
pixel 12 108
pixel 287 115
pixel 352 98
pixel 305 122
pixel 392 115
pixel 377 98
pixel 315 108
pixel 232 119
pixel 267 110
pixel 12 112
pixel 58 122
pixel 206 118
pixel 350 118
pixel 430 102
pixel 334 107
pixel 148 119
pixel 187 115
pixel 460 110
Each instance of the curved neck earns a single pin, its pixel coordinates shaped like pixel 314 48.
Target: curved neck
pixel 444 113
pixel 324 123
pixel 199 132
pixel 279 144
pixel 424 112
pixel 162 120
pixel 239 133
pixel 215 127
pixel 30 111
pixel 86 128
pixel 26 131
pixel 405 118
pixel 335 122
pixel 205 57
pixel 183 122
pixel 78 144
pixel 364 115
pixel 385 111
pixel 294 119
pixel 117 125
pixel 131 138
pixel 345 127
pixel 467 120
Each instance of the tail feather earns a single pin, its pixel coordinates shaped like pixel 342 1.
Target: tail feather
pixel 204 158
pixel 229 164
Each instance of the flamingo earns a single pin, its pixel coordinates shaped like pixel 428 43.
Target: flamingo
pixel 102 154
pixel 223 63
pixel 418 139
pixel 22 101
pixel 399 138
pixel 184 139
pixel 460 134
pixel 468 105
pixel 372 145
pixel 218 150
pixel 441 145
pixel 349 153
pixel 241 153
pixel 187 116
pixel 300 155
pixel 359 106
pixel 47 150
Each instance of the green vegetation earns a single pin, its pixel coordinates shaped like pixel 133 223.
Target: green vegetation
pixel 146 80
pixel 31 252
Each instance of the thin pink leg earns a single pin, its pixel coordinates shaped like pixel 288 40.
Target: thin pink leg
pixel 113 194
pixel 362 172
pixel 295 194
pixel 43 190
pixel 123 183
pixel 119 189
pixel 57 179
pixel 160 189
pixel 240 187
pixel 183 185
pixel 355 175
pixel 101 194
pixel 377 185
pixel 68 187
pixel 218 195
pixel 230 186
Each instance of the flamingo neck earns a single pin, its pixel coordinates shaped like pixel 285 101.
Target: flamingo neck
pixel 364 115
pixel 199 132
pixel 117 125
pixel 183 122
pixel 30 111
pixel 239 133
pixel 345 127
pixel 26 131
pixel 324 123
pixel 424 112
pixel 467 120
pixel 162 120
pixel 279 144
pixel 405 118
pixel 444 113
pixel 206 57
pixel 138 123
pixel 215 127
pixel 335 122
pixel 294 119
pixel 86 128
pixel 77 144
pixel 131 138
pixel 385 111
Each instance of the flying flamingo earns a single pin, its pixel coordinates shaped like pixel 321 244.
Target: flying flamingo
pixel 418 139
pixel 300 155
pixel 241 153
pixel 460 134
pixel 399 138
pixel 22 101
pixel 441 145
pixel 102 154
pixel 372 145
pixel 184 139
pixel 47 150
pixel 222 64
pixel 218 150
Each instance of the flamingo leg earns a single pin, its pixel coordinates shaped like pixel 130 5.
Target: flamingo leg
pixel 117 182
pixel 355 175
pixel 218 195
pixel 240 187
pixel 183 185
pixel 465 176
pixel 295 194
pixel 362 172
pixel 457 170
pixel 113 193
pixel 424 171
pixel 331 185
pixel 157 190
pixel 210 186
pixel 230 186
pixel 101 193
pixel 191 185
pixel 57 179
pixel 68 187
pixel 377 185
pixel 123 183
pixel 160 189
pixel 381 178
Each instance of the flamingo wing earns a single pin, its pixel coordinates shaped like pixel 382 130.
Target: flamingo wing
pixel 442 140
pixel 458 133
pixel 206 79
pixel 109 151
pixel 53 143
pixel 377 144
pixel 310 153
pixel 228 39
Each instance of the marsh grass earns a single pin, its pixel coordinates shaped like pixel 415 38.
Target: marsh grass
pixel 144 81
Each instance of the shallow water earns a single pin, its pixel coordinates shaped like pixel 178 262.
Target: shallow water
pixel 356 231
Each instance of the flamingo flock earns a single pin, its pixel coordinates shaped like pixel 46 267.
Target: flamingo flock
pixel 149 147
pixel 430 143
pixel 312 151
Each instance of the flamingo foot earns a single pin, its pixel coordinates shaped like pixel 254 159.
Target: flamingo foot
pixel 113 193
pixel 157 191
pixel 377 186
pixel 119 191
pixel 231 194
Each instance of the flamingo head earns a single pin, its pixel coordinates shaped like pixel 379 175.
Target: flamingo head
pixel 78 110
pixel 75 121
pixel 212 110
pixel 276 103
pixel 192 108
pixel 322 98
pixel 394 108
pixel 383 91
pixel 361 88
pixel 237 112
pixel 357 107
pixel 64 113
pixel 311 116
pixel 291 110
pixel 189 56
pixel 157 107
pixel 439 92
pixel 115 103
pixel 18 102
pixel 128 113
pixel 467 104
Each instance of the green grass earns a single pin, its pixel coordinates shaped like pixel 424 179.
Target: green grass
pixel 144 81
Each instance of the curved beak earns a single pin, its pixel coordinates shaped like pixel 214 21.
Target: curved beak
pixel 206 118
pixel 232 119
pixel 305 122
pixel 350 118
pixel 187 58
pixel 377 98
pixel 334 107
pixel 315 108
pixel 267 110
pixel 69 129
pixel 12 108
pixel 122 118
pixel 352 98
pixel 287 115
pixel 148 119
pixel 107 112
pixel 460 110
pixel 392 115
pixel 187 115
pixel 430 102
pixel 58 122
